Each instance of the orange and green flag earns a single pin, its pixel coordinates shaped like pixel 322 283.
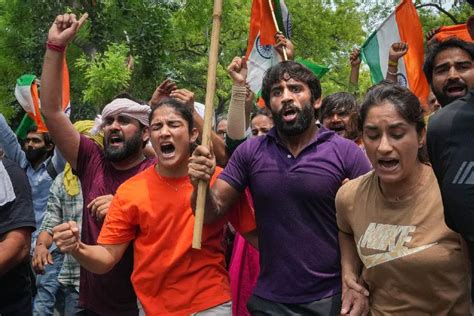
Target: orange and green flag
pixel 403 25
pixel 27 94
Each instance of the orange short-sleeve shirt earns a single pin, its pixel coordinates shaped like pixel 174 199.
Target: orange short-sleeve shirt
pixel 169 277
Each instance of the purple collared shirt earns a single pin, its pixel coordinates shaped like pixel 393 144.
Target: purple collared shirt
pixel 295 211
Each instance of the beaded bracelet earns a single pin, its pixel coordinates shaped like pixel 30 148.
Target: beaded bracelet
pixel 54 47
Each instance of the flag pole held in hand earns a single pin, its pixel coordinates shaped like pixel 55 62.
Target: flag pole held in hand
pixel 206 130
pixel 270 2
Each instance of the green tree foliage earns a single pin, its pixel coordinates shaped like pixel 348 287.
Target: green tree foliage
pixel 171 38
pixel 105 74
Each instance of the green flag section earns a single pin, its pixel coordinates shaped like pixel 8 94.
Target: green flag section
pixel 318 70
pixel 403 25
pixel 25 124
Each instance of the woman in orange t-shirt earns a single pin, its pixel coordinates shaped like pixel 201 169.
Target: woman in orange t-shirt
pixel 153 210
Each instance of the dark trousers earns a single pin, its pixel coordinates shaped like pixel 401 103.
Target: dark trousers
pixel 329 306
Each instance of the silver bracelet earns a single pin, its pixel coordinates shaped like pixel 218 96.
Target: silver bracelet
pixel 392 73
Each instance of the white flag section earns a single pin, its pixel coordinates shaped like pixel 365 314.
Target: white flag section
pixel 260 52
pixel 261 58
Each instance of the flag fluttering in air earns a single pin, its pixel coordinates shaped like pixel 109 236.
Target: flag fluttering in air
pixel 459 31
pixel 260 52
pixel 403 25
pixel 27 94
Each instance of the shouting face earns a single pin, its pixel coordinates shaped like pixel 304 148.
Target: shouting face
pixel 291 106
pixel 453 75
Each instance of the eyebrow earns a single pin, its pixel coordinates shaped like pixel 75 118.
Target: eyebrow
pixel 461 62
pixel 391 126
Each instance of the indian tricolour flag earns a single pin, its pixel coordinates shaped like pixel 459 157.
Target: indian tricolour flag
pixel 26 93
pixel 403 25
pixel 260 52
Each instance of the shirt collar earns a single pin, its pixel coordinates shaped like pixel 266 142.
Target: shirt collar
pixel 321 135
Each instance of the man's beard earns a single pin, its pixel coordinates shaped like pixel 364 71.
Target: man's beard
pixel 443 97
pixel 36 155
pixel 302 122
pixel 129 148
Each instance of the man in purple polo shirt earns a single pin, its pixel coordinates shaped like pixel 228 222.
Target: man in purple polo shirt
pixel 125 125
pixel 293 174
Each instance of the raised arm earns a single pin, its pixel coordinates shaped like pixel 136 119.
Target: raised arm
pixel 397 51
pixel 354 59
pixel 221 196
pixel 60 127
pixel 282 41
pixel 236 116
pixel 10 145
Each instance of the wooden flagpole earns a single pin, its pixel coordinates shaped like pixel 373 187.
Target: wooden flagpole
pixel 270 2
pixel 206 130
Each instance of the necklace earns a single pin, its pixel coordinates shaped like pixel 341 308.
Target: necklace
pixel 174 187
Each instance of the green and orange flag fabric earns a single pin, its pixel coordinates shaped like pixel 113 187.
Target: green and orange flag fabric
pixel 27 94
pixel 403 25
pixel 458 30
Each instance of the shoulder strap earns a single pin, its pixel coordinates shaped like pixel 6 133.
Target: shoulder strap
pixel 51 170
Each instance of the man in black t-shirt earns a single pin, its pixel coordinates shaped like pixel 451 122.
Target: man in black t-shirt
pixel 450 141
pixel 450 136
pixel 17 222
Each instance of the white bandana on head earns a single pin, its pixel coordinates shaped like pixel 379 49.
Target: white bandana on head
pixel 122 106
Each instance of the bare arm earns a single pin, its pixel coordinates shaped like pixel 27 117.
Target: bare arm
pixel 14 248
pixel 97 259
pixel 354 295
pixel 60 127
pixel 397 51
pixel 355 61
pixel 221 196
pixel 42 256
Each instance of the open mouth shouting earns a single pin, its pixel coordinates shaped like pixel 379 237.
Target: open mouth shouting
pixel 115 140
pixel 388 164
pixel 167 150
pixel 455 90
pixel 289 114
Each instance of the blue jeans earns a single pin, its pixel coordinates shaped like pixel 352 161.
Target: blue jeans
pixel 68 301
pixel 47 286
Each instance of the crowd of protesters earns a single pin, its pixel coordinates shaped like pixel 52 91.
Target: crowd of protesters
pixel 353 203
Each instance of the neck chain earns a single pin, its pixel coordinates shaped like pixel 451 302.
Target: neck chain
pixel 174 187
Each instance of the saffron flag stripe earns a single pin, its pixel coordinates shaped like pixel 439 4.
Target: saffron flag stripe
pixel 411 32
pixel 260 52
pixel 403 25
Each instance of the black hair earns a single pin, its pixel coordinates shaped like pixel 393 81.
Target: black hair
pixel 405 103
pixel 293 70
pixel 337 103
pixel 179 107
pixel 47 139
pixel 258 112
pixel 438 47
